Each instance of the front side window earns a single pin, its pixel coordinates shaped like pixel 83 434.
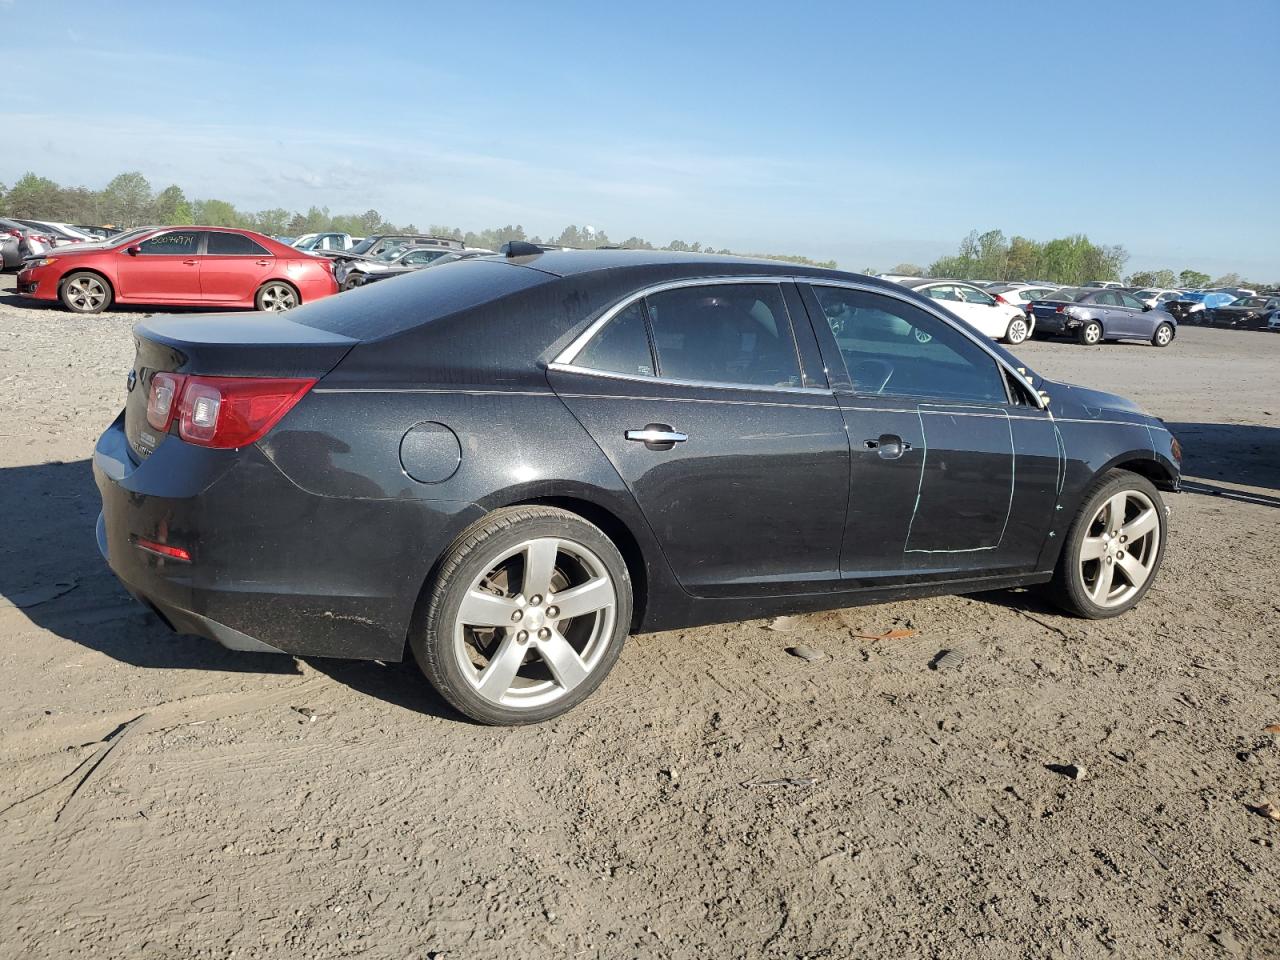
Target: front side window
pixel 974 295
pixel 420 256
pixel 234 245
pixel 179 243
pixel 621 347
pixel 1129 301
pixel 729 333
pixel 892 348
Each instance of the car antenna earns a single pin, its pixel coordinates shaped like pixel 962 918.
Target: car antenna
pixel 519 248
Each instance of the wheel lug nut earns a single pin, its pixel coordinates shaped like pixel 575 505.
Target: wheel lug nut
pixel 517 615
pixel 535 599
pixel 544 633
pixel 1124 539
pixel 522 636
pixel 1108 559
pixel 553 612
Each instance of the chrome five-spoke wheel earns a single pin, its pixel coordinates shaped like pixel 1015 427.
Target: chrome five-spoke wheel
pixel 1118 555
pixel 1114 547
pixel 275 297
pixel 535 624
pixel 85 293
pixel 527 615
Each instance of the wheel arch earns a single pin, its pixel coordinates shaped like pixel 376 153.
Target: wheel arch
pixel 1146 464
pixel 96 271
pixel 285 280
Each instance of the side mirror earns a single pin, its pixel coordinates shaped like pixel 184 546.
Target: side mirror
pixel 133 251
pixel 1146 307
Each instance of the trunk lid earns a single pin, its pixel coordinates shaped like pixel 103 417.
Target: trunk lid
pixel 254 345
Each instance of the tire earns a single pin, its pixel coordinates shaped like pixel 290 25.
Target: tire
pixel 1091 333
pixel 85 292
pixel 1163 335
pixel 1076 584
pixel 353 280
pixel 276 296
pixel 455 648
pixel 1018 331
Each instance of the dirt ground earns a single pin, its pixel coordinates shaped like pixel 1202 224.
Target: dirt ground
pixel 163 798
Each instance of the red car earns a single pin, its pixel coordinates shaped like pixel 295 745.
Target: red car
pixel 179 266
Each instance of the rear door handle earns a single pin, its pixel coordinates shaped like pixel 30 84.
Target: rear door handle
pixel 263 263
pixel 890 446
pixel 190 263
pixel 657 436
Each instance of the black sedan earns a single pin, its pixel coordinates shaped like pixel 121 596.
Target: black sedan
pixel 1093 315
pixel 1247 313
pixel 506 465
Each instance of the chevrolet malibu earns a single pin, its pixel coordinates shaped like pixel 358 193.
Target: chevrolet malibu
pixel 187 266
pixel 506 465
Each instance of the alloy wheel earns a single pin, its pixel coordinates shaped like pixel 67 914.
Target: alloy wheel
pixel 86 293
pixel 1017 330
pixel 535 623
pixel 1163 335
pixel 1119 552
pixel 277 297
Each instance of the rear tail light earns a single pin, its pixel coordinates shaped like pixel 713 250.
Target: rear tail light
pixel 162 549
pixel 1000 298
pixel 227 412
pixel 1059 309
pixel 162 401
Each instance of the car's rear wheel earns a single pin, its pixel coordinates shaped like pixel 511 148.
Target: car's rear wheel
pixel 1114 548
pixel 527 615
pixel 353 280
pixel 275 296
pixel 1091 333
pixel 1017 332
pixel 84 292
pixel 1163 335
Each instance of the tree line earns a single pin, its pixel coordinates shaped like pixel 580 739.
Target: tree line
pixel 1071 261
pixel 129 201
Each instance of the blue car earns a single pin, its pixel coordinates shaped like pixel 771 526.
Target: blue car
pixel 1190 307
pixel 1092 315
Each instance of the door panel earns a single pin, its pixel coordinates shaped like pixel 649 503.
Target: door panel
pixel 224 279
pixel 166 269
pixel 752 502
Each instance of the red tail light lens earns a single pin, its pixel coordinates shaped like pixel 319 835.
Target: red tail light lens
pixel 162 549
pixel 227 412
pixel 1059 309
pixel 1000 298
pixel 162 401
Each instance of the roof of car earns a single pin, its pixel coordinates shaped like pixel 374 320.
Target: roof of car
pixel 565 263
pixel 916 284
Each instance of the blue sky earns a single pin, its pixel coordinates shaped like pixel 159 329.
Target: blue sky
pixel 869 132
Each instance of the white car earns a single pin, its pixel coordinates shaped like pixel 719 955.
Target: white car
pixel 1019 294
pixel 999 321
pixel 60 233
pixel 1156 296
pixel 1102 284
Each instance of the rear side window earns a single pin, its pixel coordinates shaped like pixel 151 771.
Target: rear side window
pixel 180 243
pixel 385 309
pixel 730 333
pixel 621 347
pixel 234 244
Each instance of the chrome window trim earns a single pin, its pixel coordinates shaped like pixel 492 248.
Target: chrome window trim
pixel 570 353
pixel 564 360
pixel 674 382
pixel 939 314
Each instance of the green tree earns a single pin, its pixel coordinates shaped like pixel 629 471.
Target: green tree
pixel 170 208
pixel 1228 280
pixel 126 200
pixel 216 213
pixel 908 270
pixel 1193 278
pixel 35 198
pixel 273 222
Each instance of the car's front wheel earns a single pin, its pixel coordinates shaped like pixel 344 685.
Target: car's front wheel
pixel 1091 333
pixel 1163 335
pixel 1018 331
pixel 85 292
pixel 527 615
pixel 276 296
pixel 1114 548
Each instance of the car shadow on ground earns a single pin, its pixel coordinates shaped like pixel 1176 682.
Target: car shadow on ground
pixel 52 572
pixel 10 299
pixel 1244 454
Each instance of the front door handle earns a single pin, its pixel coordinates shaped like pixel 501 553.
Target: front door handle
pixel 657 436
pixel 263 263
pixel 890 446
pixel 190 263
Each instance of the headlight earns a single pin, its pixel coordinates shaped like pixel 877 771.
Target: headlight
pixel 42 262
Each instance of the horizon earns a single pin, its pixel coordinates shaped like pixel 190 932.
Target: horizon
pixel 732 134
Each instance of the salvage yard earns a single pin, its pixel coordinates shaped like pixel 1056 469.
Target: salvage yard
pixel 1054 788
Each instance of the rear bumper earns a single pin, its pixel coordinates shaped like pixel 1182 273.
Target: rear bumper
pixel 1058 323
pixel 273 568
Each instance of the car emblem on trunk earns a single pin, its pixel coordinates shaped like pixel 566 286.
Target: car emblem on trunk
pixel 132 380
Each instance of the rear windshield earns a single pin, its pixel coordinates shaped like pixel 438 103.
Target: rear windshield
pixel 1071 294
pixel 384 309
